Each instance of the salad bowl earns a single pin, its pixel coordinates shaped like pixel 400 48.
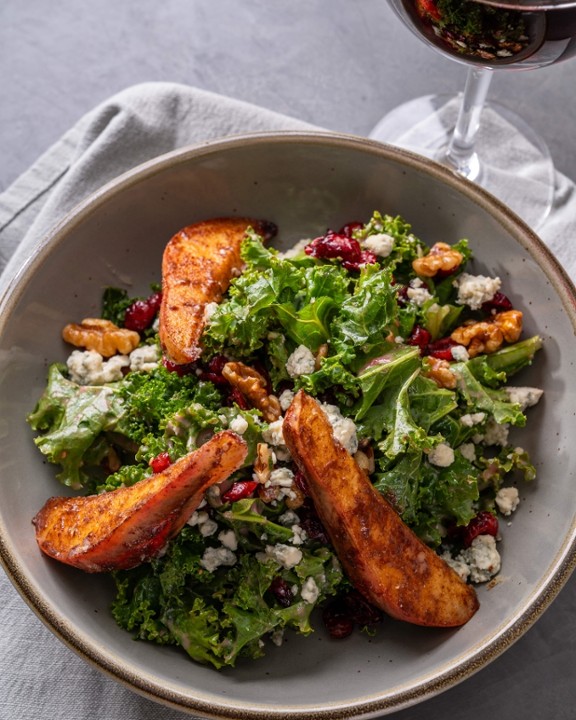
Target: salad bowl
pixel 304 183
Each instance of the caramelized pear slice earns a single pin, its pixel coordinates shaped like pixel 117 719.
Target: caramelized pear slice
pixel 382 556
pixel 120 529
pixel 197 266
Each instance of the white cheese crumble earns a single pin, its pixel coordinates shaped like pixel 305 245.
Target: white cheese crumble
pixel 468 451
pixel 459 353
pixel 380 244
pixel 87 367
pixel 310 590
pixel 300 362
pixel 213 558
pixel 144 358
pixel 471 419
pixel 228 539
pixel 525 396
pixel 239 425
pixel 274 436
pixel 208 528
pixel 204 522
pixel 277 637
pixel 495 433
pixel 507 500
pixel 482 558
pixel 283 477
pixel 209 310
pixel 418 295
pixel 285 398
pixel 299 535
pixel 286 555
pixel 289 518
pixel 343 428
pixel 441 456
pixel 474 290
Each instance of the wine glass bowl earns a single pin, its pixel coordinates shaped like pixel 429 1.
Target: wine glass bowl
pixel 486 143
pixel 484 50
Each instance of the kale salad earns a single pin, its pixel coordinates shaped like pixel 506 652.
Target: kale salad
pixel 410 354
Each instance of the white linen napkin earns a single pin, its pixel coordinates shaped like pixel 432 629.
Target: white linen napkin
pixel 40 678
pixel 514 169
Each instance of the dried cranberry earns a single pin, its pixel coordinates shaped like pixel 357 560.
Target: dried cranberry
pixel 311 523
pixel 180 369
pixel 141 313
pixel 237 397
pixel 485 523
pixel 442 349
pixel 361 610
pixel 428 8
pixel 282 591
pixel 240 490
pixel 402 294
pixel 267 229
pixel 349 228
pixel 419 337
pixel 301 482
pixel 499 303
pixel 337 620
pixel 160 462
pixel 336 246
pixel 213 371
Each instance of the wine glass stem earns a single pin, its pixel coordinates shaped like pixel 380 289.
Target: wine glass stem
pixel 460 153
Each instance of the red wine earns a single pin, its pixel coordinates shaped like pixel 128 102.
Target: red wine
pixel 485 35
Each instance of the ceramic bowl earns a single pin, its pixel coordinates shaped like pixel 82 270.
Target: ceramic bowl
pixel 305 183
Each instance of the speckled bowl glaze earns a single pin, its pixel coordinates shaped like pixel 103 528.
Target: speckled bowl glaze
pixel 305 183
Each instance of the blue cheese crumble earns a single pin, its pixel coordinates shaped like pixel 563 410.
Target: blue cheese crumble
pixel 441 456
pixel 87 367
pixel 475 290
pixel 300 362
pixel 380 244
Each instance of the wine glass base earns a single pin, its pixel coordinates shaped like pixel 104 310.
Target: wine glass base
pixel 513 162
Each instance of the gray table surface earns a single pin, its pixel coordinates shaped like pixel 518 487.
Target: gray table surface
pixel 340 64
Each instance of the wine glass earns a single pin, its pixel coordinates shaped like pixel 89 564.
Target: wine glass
pixel 501 153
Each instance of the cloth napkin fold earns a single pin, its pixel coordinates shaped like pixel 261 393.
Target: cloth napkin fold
pixel 39 677
pixel 130 128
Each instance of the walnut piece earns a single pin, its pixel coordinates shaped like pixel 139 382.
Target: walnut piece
pixel 488 336
pixel 365 460
pixel 442 257
pixel 102 336
pixel 320 355
pixel 252 385
pixel 263 463
pixel 510 323
pixel 296 498
pixel 479 337
pixel 439 370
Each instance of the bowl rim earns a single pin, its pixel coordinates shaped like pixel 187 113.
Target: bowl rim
pixel 560 567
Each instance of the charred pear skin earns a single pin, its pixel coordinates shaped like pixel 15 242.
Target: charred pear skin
pixel 382 556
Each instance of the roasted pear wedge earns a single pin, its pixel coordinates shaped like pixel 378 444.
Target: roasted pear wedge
pixel 197 266
pixel 120 529
pixel 384 559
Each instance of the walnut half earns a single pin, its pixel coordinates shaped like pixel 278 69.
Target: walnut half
pixel 102 336
pixel 488 336
pixel 253 386
pixel 442 257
